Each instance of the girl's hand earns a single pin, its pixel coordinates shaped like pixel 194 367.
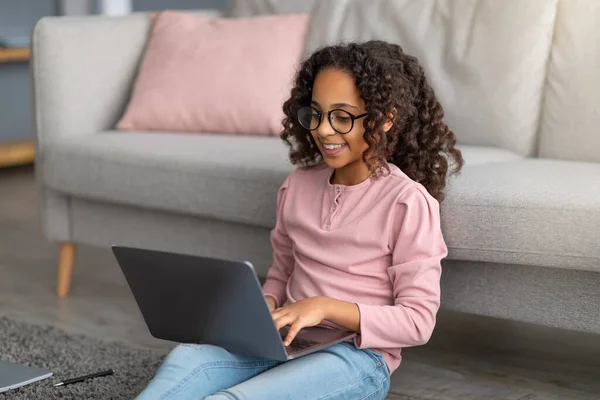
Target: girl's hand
pixel 303 313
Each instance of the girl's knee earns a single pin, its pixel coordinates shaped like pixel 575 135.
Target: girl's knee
pixel 192 354
pixel 181 369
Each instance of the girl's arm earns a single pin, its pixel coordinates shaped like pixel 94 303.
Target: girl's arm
pixel 342 313
pixel 418 248
pixel 312 311
pixel 283 260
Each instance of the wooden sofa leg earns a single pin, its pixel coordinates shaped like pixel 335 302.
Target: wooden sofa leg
pixel 65 268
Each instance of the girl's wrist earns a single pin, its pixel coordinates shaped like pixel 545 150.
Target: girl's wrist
pixel 326 306
pixel 342 313
pixel 330 307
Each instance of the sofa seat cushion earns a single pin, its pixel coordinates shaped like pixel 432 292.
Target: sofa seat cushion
pixel 501 208
pixel 226 177
pixel 530 211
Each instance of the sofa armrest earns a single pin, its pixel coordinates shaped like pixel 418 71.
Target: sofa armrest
pixel 82 72
pixel 83 69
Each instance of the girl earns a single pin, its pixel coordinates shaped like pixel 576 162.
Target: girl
pixel 357 243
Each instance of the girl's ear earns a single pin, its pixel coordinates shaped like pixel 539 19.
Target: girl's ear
pixel 388 125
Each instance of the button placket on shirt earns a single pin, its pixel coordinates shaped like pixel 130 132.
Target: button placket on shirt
pixel 334 207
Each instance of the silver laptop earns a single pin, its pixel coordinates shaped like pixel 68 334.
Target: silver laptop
pixel 191 299
pixel 13 376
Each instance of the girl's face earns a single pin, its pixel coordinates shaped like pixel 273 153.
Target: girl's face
pixel 334 89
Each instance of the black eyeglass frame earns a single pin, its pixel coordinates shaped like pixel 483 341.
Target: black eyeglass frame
pixel 320 114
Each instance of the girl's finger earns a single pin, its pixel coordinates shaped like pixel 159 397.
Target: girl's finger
pixel 294 329
pixel 279 312
pixel 280 309
pixel 284 320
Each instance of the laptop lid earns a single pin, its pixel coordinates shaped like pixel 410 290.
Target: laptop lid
pixel 192 299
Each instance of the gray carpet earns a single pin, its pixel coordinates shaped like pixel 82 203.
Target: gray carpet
pixel 73 355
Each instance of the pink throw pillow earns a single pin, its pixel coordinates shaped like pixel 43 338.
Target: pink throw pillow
pixel 203 74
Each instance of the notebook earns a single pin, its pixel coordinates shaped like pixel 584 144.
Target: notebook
pixel 13 376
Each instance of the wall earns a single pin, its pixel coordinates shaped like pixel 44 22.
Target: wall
pixel 17 18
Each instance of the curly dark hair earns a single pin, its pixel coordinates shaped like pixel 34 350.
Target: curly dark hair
pixel 390 82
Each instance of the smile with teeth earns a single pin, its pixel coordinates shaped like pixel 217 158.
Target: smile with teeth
pixel 333 146
pixel 331 149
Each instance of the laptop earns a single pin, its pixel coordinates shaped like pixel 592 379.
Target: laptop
pixel 13 376
pixel 192 299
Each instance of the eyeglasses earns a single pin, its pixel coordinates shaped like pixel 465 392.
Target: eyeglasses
pixel 340 120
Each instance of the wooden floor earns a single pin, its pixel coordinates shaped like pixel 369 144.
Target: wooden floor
pixel 468 358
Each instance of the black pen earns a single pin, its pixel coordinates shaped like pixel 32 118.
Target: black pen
pixel 83 378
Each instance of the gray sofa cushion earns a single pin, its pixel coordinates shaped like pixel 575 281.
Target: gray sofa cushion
pixel 530 211
pixel 502 208
pixel 571 108
pixel 227 177
pixel 251 8
pixel 490 97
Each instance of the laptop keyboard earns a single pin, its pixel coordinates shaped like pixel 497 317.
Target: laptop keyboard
pixel 300 344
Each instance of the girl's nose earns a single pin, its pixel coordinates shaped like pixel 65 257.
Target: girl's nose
pixel 325 129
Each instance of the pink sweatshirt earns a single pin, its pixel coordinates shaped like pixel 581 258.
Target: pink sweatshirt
pixel 377 244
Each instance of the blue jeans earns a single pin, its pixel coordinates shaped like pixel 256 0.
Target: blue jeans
pixel 210 372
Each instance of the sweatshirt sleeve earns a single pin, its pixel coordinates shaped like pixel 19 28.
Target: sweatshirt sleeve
pixel 283 260
pixel 417 249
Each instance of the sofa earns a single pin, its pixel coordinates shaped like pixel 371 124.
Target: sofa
pixel 519 82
